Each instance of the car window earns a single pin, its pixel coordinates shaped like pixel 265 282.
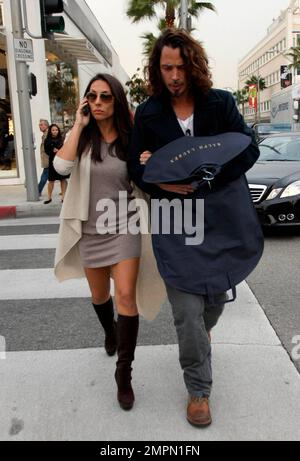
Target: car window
pixel 285 148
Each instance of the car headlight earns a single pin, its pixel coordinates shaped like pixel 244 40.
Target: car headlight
pixel 273 194
pixel 291 190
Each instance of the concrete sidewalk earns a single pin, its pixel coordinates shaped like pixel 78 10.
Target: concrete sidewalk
pixel 71 395
pixel 14 204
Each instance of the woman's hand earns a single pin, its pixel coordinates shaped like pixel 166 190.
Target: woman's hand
pixel 81 119
pixel 145 157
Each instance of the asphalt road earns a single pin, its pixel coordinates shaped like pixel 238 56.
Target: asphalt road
pixel 276 285
pixel 53 324
pixel 60 387
pixel 47 321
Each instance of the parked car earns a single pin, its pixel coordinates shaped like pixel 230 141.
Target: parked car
pixel 274 181
pixel 266 129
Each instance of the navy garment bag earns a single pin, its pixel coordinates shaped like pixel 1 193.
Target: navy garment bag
pixel 232 240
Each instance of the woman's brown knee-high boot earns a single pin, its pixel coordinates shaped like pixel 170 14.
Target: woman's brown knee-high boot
pixel 105 314
pixel 127 332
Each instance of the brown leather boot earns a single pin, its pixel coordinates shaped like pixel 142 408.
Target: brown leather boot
pixel 198 411
pixel 127 331
pixel 105 314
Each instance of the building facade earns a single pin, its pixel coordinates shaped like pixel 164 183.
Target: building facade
pixel 267 59
pixel 62 66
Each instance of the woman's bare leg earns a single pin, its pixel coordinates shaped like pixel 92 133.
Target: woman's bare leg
pixel 99 282
pixel 50 189
pixel 125 276
pixel 63 185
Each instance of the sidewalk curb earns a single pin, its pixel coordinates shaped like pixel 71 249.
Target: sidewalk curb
pixel 29 210
pixel 8 212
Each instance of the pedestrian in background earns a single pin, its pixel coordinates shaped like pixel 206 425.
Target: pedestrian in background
pixel 9 153
pixel 4 133
pixel 96 152
pixel 53 143
pixel 183 102
pixel 44 126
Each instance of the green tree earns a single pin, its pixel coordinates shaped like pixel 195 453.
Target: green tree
pixel 137 88
pixel 149 42
pixel 261 84
pixel 139 10
pixel 254 80
pixel 150 39
pixel 241 97
pixel 294 57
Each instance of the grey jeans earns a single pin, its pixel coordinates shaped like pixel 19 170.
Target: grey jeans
pixel 193 318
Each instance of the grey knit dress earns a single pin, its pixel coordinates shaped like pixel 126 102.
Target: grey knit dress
pixel 106 239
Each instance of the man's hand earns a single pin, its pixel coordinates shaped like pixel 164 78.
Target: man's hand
pixel 182 189
pixel 145 157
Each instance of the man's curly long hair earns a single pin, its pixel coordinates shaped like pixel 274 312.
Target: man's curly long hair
pixel 193 55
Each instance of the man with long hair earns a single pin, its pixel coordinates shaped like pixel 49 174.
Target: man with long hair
pixel 183 102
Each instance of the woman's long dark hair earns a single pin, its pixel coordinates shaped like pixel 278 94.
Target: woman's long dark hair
pixel 91 135
pixel 49 134
pixel 193 55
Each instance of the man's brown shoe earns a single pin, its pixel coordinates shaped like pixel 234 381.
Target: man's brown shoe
pixel 198 412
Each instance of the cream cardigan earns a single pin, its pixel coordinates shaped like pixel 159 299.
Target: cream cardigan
pixel 150 288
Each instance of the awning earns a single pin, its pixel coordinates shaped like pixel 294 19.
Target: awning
pixel 73 49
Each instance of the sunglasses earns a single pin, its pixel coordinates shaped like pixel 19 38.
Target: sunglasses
pixel 104 97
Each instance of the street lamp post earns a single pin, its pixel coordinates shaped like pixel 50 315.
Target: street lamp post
pixel 258 93
pixel 25 109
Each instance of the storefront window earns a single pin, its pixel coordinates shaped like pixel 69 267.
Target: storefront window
pixel 8 157
pixel 63 93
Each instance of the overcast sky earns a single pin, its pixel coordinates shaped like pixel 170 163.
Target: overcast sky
pixel 227 35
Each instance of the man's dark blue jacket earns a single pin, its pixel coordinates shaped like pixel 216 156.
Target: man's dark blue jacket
pixel 156 125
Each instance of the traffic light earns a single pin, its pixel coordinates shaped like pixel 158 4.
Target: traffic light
pixel 50 23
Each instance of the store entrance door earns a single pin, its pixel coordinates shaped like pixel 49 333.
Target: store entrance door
pixel 8 157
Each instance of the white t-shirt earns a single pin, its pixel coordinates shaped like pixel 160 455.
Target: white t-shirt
pixel 187 125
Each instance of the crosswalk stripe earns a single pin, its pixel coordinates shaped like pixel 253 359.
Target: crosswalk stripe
pixel 39 284
pixel 46 220
pixel 28 242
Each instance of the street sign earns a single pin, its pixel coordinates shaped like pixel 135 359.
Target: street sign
pixel 286 76
pixel 23 50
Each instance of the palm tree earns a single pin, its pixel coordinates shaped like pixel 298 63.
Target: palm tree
pixel 294 56
pixel 150 39
pixel 254 80
pixel 241 97
pixel 138 10
pixel 260 85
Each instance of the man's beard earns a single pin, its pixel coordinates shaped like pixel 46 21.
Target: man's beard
pixel 176 94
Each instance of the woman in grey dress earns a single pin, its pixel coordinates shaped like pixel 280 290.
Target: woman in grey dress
pixel 102 129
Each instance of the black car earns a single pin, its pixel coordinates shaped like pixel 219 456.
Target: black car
pixel 263 130
pixel 274 180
